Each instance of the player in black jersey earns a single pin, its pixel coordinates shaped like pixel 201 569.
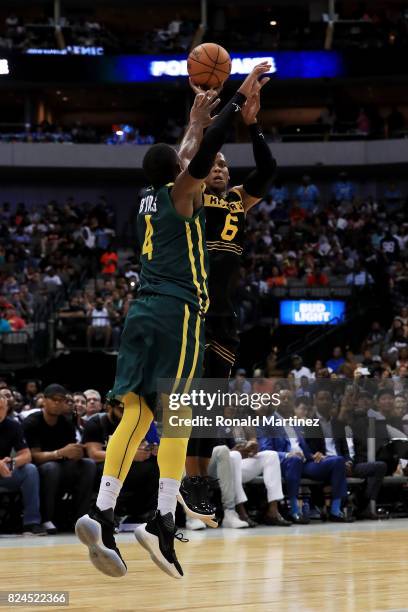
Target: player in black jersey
pixel 225 225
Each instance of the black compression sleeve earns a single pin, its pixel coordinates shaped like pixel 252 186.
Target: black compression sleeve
pixel 214 138
pixel 259 180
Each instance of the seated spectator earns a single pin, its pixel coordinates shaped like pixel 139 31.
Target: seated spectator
pixel 276 279
pixel 109 261
pixel 239 384
pixel 19 474
pixel 297 214
pixel 359 277
pixel 299 370
pixel 5 326
pixel 100 326
pixel 385 403
pixel 248 463
pixel 60 459
pixel 93 403
pixel 298 460
pixel 144 472
pixel 343 189
pixel 32 388
pixel 308 195
pixel 16 323
pixel 317 278
pixel 330 440
pixel 51 279
pixel 363 123
pixel 336 360
pixel 72 323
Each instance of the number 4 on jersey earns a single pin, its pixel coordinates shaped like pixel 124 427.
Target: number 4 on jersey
pixel 230 230
pixel 147 248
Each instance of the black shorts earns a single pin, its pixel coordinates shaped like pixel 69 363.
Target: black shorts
pixel 221 345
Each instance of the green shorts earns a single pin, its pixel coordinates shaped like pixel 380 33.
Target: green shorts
pixel 163 338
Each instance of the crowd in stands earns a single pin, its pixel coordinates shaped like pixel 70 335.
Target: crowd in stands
pixel 53 441
pixel 367 25
pixel 297 239
pixel 47 254
pixel 333 124
pixel 24 35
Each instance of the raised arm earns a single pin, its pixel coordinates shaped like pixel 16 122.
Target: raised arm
pixel 186 193
pixel 258 182
pixel 200 118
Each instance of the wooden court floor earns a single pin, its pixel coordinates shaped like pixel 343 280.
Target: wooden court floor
pixel 327 569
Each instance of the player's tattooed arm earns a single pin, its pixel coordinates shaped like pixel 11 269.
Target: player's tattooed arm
pixel 200 118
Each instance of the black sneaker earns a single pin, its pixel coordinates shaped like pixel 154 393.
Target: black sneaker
pixel 96 531
pixel 34 530
pixel 157 537
pixel 193 496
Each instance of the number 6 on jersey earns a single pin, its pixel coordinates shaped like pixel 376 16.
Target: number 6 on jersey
pixel 230 230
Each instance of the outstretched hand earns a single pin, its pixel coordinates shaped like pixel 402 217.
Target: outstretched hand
pixel 255 81
pixel 204 104
pixel 252 106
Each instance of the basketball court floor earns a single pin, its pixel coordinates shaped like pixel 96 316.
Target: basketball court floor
pixel 362 567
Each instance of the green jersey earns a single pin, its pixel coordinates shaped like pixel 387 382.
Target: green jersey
pixel 173 250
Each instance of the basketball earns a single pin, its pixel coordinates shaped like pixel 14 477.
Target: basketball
pixel 209 64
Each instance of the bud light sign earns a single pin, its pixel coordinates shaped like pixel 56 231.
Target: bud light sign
pixel 311 312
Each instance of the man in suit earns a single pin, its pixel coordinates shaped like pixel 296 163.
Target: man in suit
pixel 297 460
pixel 330 440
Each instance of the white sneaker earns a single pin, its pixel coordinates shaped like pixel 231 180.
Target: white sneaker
pixel 232 520
pixel 194 524
pixel 49 527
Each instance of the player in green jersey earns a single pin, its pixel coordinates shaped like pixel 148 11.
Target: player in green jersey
pixel 163 335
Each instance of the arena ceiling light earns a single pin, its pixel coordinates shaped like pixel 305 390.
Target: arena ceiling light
pixel 4 67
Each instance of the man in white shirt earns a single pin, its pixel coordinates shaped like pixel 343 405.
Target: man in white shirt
pixel 100 327
pixel 299 369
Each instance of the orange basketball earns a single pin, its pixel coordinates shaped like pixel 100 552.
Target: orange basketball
pixel 209 65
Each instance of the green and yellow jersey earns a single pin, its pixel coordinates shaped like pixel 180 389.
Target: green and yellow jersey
pixel 174 255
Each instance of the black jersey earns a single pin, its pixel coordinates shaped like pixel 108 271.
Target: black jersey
pixel 225 224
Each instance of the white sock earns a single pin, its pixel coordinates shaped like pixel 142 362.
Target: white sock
pixel 109 490
pixel 168 490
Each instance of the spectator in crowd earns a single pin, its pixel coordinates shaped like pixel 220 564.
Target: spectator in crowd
pixel 144 472
pixel 299 369
pixel 18 473
pixel 239 384
pixel 298 460
pixel 93 403
pixel 317 278
pixel 5 326
pixel 359 277
pixel 308 195
pixel 60 459
pixel 363 123
pixel 343 189
pixel 32 388
pixel 330 440
pixel 109 261
pixel 100 325
pixel 336 360
pixel 248 463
